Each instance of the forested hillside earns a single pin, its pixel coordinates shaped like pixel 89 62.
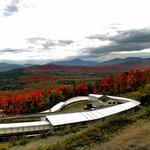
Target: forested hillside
pixel 42 91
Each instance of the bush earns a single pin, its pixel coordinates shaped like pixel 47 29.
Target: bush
pixel 2 148
pixel 145 100
pixel 147 111
pixel 13 141
pixel 23 140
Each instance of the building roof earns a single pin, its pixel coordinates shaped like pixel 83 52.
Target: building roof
pixel 95 95
pixel 23 124
pixel 60 105
pixel 69 118
pixel 57 107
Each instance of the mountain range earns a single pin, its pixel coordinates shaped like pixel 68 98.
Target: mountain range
pixel 80 62
pixel 7 67
pixel 117 63
pixel 75 62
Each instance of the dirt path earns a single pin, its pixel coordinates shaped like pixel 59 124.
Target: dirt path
pixel 134 137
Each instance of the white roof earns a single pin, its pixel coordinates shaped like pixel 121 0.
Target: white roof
pixel 128 105
pixel 95 95
pixel 67 102
pixel 76 99
pixel 110 110
pixel 92 115
pixel 23 124
pixel 57 107
pixel 62 119
pixel 81 98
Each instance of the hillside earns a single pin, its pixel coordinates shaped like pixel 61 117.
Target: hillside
pixel 38 95
pixel 6 67
pixel 128 130
pixel 136 136
pixel 132 137
pixel 115 68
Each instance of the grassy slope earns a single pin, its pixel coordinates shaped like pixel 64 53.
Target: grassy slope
pixel 133 137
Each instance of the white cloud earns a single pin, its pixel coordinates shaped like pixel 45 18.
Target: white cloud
pixel 144 51
pixel 66 20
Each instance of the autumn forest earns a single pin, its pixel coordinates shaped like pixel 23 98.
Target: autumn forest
pixel 31 90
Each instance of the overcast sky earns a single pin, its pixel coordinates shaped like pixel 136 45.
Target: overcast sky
pixel 40 31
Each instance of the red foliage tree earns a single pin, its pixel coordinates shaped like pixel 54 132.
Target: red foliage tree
pixel 105 85
pixel 67 91
pixel 81 89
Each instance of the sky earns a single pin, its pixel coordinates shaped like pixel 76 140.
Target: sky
pixel 42 31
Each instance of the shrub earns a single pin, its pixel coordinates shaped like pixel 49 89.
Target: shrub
pixel 23 140
pixel 13 141
pixel 2 148
pixel 147 111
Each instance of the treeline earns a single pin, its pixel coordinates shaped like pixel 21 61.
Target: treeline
pixel 45 97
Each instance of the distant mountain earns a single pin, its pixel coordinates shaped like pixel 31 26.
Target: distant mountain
pixel 131 60
pixel 80 62
pixel 27 65
pixel 80 66
pixel 110 62
pixel 75 62
pixel 128 60
pixel 7 67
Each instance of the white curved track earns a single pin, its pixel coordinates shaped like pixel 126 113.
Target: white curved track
pixel 68 118
pixel 60 105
